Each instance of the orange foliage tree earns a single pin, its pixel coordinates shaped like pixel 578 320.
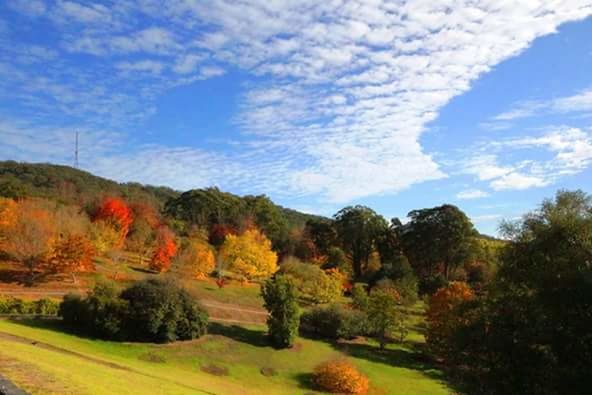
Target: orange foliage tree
pixel 441 315
pixel 27 237
pixel 72 253
pixel 249 255
pixel 7 217
pixel 198 257
pixel 116 213
pixel 165 250
pixel 340 377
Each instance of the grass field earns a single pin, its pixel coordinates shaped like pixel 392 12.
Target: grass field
pixel 72 364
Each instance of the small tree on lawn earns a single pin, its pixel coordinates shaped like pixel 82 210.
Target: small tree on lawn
pixel 384 315
pixel 280 297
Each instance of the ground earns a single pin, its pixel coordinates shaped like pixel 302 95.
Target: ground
pixel 43 358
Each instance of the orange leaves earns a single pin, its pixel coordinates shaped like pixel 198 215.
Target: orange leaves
pixel 341 377
pixel 249 254
pixel 72 253
pixel 440 311
pixel 117 213
pixel 166 249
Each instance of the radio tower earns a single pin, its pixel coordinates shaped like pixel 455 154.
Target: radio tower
pixel 76 152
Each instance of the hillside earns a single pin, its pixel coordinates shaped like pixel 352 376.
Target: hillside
pixel 73 186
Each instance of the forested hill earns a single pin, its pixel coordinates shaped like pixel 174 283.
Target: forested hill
pixel 73 186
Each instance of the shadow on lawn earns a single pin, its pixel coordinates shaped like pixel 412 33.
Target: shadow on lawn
pixel 238 333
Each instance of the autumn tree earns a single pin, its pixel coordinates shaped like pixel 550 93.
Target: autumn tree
pixel 116 213
pixel 441 309
pixel 165 250
pixel 71 253
pixel 8 212
pixel 249 255
pixel 29 235
pixel 197 256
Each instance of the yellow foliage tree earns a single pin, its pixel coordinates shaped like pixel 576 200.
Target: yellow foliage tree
pixel 249 254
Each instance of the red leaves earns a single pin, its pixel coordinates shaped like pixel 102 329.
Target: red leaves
pixel 116 212
pixel 165 250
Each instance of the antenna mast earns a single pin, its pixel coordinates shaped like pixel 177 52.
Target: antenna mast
pixel 76 152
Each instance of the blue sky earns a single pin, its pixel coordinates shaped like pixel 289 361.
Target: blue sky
pixel 395 105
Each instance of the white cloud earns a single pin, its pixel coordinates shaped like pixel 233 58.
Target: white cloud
pixel 149 66
pixel 517 181
pixel 471 194
pixel 28 7
pixel 188 63
pixel 341 92
pixel 579 102
pixel 479 219
pixel 570 149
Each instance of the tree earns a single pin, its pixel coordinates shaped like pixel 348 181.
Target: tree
pixel 385 317
pixel 313 283
pixel 29 235
pixel 249 254
pixel 164 251
pixel 439 236
pixel 197 257
pixel 269 218
pixel 116 213
pixel 72 253
pixel 441 314
pixel 280 296
pixel 358 229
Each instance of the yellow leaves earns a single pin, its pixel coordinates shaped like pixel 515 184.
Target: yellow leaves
pixel 249 254
pixel 340 376
pixel 203 259
pixel 7 212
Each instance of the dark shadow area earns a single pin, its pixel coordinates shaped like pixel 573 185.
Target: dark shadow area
pixel 141 270
pixel 240 334
pixel 304 381
pixel 19 277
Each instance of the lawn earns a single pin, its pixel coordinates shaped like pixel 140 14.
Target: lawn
pixel 110 367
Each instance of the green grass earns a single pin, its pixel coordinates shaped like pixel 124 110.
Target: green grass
pixel 176 367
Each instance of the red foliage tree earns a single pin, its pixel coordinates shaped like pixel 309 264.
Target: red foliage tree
pixel 165 250
pixel 116 212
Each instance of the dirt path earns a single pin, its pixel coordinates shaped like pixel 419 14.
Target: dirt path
pixel 112 365
pixel 7 387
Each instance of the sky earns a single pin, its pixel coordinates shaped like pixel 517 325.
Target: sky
pixel 397 105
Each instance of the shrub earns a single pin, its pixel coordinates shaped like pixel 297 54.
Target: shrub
pixel 280 296
pixel 160 311
pixel 151 310
pixel 340 376
pixel 360 296
pixel 11 305
pixel 334 322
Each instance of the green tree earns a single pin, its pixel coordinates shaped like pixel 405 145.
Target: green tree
pixel 385 317
pixel 280 297
pixel 439 236
pixel 269 218
pixel 358 229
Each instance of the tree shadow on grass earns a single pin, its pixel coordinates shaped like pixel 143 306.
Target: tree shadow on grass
pixel 304 381
pixel 241 334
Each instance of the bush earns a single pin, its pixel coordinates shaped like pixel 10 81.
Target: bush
pixel 333 322
pixel 280 296
pixel 341 377
pixel 313 283
pixel 159 311
pixel 11 305
pixel 360 296
pixel 151 310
